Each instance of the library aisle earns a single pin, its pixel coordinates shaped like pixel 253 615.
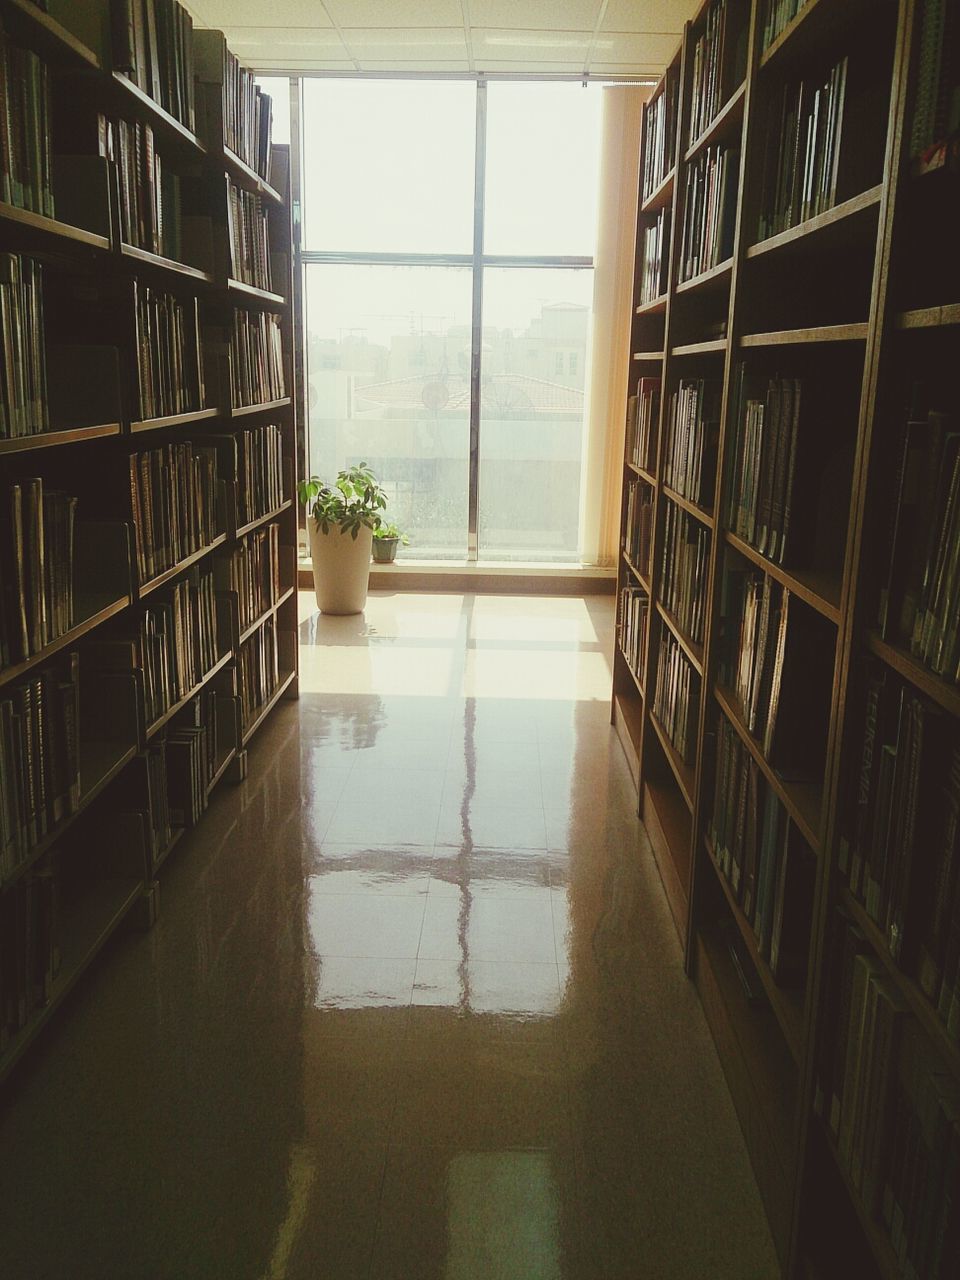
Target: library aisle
pixel 414 1005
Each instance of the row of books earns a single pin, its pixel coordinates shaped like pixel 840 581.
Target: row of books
pixel 251 569
pixel 258 466
pixel 168 355
pixel 247 110
pixel 767 420
pixel 23 364
pixel 660 135
pixel 709 211
pixel 654 258
pixel 153 45
pixel 170 781
pixel 779 664
pixel 936 102
pixel 761 854
pixel 161 211
pixel 683 570
pixel 774 16
pixel 26 169
pixel 891 1107
pixel 39 757
pixel 900 854
pixel 638 525
pixel 706 77
pixel 920 600
pixel 256 358
pixel 176 502
pixel 36 568
pixel 634 621
pixel 178 641
pixel 676 699
pixel 643 417
pixel 29 945
pixel 689 453
pixel 248 235
pixel 802 152
pixel 259 669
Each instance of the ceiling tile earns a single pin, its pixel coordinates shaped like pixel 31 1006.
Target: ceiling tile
pixel 619 46
pixel 532 66
pixel 418 64
pixel 648 15
pixel 385 44
pixel 530 46
pixel 647 70
pixel 398 13
pixel 282 13
pixel 264 46
pixel 535 15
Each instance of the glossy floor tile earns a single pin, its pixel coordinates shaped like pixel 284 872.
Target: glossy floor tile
pixel 414 1005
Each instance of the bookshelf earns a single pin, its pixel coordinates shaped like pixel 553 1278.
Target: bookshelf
pixel 147 476
pixel 805 826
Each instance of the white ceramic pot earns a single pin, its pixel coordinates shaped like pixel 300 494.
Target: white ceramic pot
pixel 341 568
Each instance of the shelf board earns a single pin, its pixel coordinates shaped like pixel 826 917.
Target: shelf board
pixel 268 406
pixel 175 838
pixel 53 40
pixel 920 1006
pixel 259 295
pixel 259 520
pixel 654 308
pixel 929 317
pixel 171 711
pixel 714 278
pixel 642 472
pixel 48 439
pixel 711 346
pixel 668 825
pixel 722 124
pixel 162 579
pixel 821 591
pixel 691 508
pixel 641 577
pixel 173 420
pixel 95 613
pixel 161 263
pixel 650 356
pixel 787 1005
pixel 286 679
pixel 939 690
pixel 86 930
pixel 628 723
pixel 660 195
pixel 100 762
pixel 26 218
pixel 883 1253
pixel 693 651
pixel 684 773
pixel 802 800
pixel 133 97
pixel 633 674
pixel 819 333
pixel 240 169
pixel 224 761
pixel 813 230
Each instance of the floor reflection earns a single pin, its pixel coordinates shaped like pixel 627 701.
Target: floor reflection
pixel 414 1007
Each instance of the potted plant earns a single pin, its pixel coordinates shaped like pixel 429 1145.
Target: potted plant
pixel 341 521
pixel 386 540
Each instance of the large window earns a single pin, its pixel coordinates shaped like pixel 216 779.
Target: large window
pixel 448 232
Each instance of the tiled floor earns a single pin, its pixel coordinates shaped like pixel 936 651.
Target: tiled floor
pixel 413 1008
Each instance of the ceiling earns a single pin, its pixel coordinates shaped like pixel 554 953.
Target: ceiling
pixel 601 37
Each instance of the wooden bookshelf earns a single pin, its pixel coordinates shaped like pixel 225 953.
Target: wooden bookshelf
pixel 792 306
pixel 86 275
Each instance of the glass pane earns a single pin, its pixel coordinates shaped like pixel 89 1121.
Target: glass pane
pixel 278 88
pixel 536 329
pixel 388 374
pixel 388 165
pixel 543 147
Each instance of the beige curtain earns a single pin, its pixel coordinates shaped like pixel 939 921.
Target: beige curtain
pixel 612 313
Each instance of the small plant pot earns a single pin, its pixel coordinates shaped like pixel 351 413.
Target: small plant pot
pixel 385 550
